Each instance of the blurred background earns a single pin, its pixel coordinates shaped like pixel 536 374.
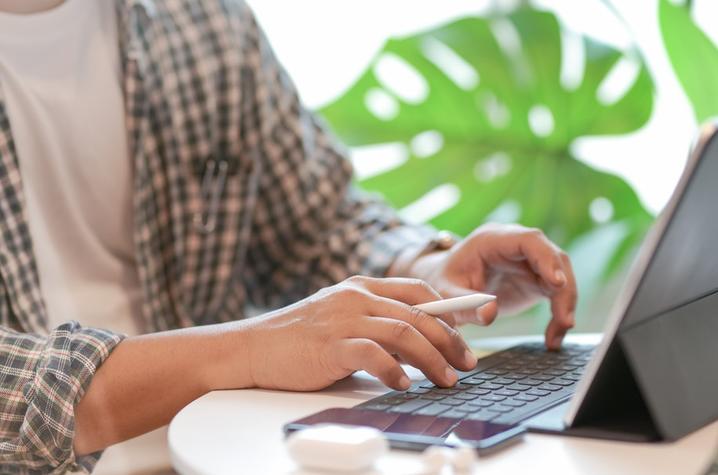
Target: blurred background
pixel 575 117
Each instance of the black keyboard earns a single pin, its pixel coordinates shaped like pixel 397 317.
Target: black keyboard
pixel 505 387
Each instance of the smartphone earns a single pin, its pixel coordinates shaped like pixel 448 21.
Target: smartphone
pixel 414 432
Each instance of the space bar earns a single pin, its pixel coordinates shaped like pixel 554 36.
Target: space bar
pixel 525 412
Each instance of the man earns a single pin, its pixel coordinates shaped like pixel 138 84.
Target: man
pixel 158 174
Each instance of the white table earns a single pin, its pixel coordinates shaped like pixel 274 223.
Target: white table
pixel 240 432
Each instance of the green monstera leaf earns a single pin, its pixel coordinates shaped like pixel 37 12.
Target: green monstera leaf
pixel 488 112
pixel 694 58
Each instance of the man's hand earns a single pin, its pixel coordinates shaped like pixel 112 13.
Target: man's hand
pixel 359 324
pixel 517 264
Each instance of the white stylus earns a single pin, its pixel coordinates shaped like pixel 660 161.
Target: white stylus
pixel 465 302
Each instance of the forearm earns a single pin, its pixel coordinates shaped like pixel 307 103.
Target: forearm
pixel 148 379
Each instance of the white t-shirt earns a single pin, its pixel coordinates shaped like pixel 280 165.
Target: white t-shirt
pixel 60 74
pixel 60 78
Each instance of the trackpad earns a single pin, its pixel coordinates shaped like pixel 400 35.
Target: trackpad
pixel 548 421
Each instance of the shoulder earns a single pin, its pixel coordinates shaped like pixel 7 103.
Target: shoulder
pixel 194 34
pixel 202 15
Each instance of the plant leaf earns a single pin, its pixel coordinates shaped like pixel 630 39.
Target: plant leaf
pixel 505 138
pixel 694 58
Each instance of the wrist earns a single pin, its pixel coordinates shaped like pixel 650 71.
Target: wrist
pixel 426 266
pixel 402 265
pixel 228 364
pixel 406 263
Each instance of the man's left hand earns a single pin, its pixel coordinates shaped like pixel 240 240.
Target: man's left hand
pixel 519 265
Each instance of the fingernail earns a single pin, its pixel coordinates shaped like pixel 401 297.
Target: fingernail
pixel 451 376
pixel 404 383
pixel 560 277
pixel 470 358
pixel 556 342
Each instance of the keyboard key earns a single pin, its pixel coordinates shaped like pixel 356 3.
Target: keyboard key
pixel 515 376
pixel 454 414
pixel 568 367
pixel 481 403
pixel 513 403
pixel 393 400
pixel 419 391
pixel 506 392
pixel 433 397
pixel 467 396
pixel 451 401
pixel 549 387
pixel 433 410
pixel 518 387
pixel 499 408
pixel 485 377
pixel 493 397
pixel 376 407
pixel 467 408
pixel 521 413
pixel 497 372
pixel 483 415
pixel 534 382
pixel 563 382
pixel 538 392
pixel 410 406
pixel 555 372
pixel 491 386
pixel 526 397
pixel 501 381
pixel 474 380
pixel 445 391
pixel 478 391
pixel 542 377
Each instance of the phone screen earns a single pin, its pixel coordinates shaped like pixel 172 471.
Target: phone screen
pixel 408 431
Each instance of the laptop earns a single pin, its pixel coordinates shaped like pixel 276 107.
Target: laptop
pixel 654 376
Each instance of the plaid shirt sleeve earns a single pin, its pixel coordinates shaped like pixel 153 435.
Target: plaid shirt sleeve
pixel 41 379
pixel 311 227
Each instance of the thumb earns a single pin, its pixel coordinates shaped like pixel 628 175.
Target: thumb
pixel 483 315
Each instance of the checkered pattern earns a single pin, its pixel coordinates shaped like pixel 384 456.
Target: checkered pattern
pixel 240 197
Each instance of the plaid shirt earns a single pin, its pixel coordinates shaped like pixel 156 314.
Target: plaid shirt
pixel 240 196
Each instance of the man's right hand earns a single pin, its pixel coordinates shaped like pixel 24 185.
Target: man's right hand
pixel 361 323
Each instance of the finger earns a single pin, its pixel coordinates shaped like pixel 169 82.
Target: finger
pixel 401 338
pixel 563 308
pixel 405 290
pixel 539 252
pixel 363 354
pixel 409 291
pixel 489 312
pixel 441 335
pixel 483 315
